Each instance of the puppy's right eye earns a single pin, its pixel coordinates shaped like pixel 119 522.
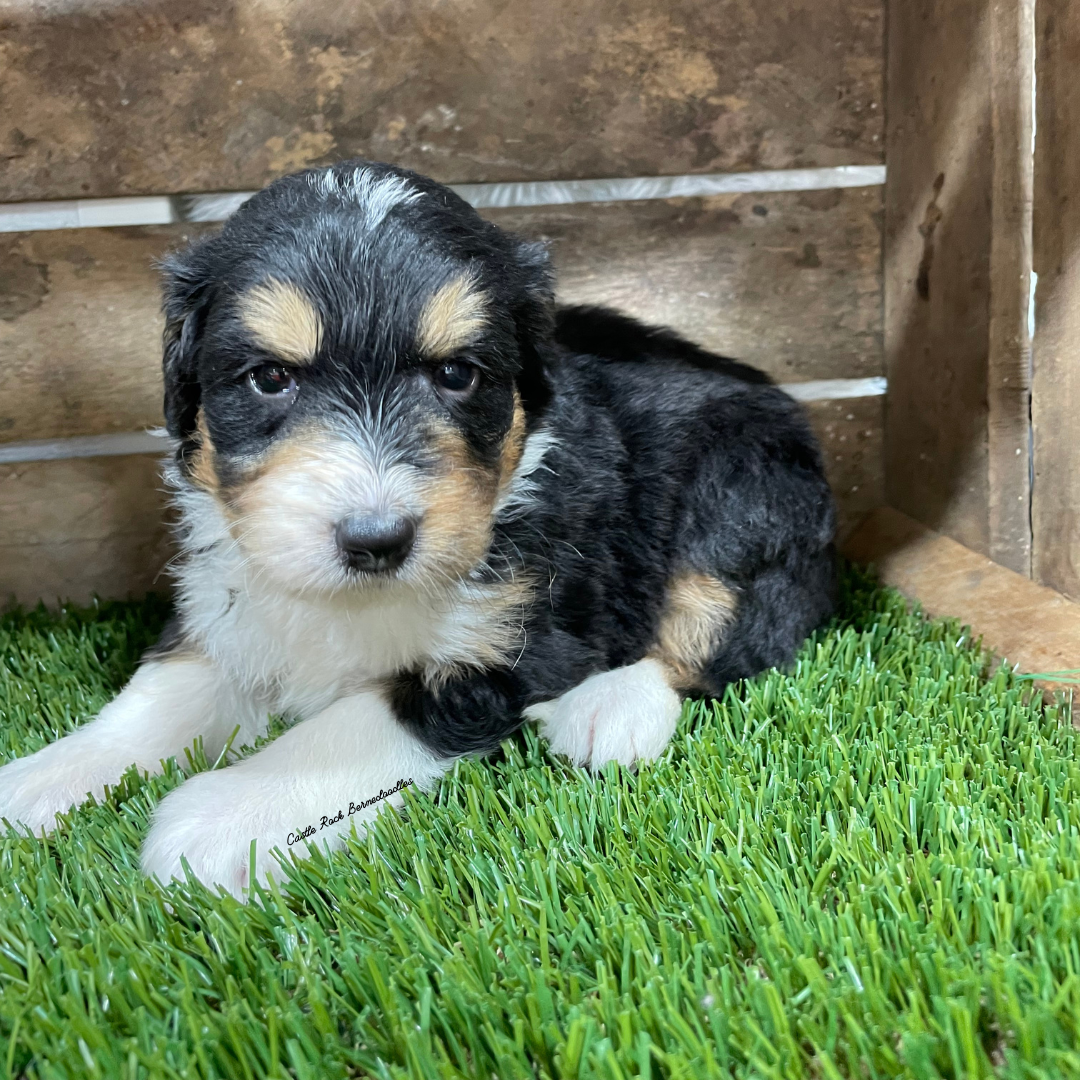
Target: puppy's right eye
pixel 272 380
pixel 456 377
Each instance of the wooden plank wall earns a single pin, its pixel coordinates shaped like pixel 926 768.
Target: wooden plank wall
pixel 105 100
pixel 958 270
pixel 982 278
pixel 1056 399
pixel 161 96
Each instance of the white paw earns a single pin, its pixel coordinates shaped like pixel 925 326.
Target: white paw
pixel 34 789
pixel 625 715
pixel 211 820
pixel 310 785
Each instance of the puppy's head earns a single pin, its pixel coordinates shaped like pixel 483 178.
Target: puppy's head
pixel 351 365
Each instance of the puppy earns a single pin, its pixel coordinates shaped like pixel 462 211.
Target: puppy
pixel 418 506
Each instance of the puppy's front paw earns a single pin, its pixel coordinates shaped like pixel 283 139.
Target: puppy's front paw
pixel 625 715
pixel 211 820
pixel 34 789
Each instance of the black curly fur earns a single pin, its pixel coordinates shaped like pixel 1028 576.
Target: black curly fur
pixel 664 457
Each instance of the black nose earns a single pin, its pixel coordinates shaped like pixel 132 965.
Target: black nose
pixel 375 542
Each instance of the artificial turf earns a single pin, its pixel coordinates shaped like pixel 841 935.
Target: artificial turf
pixel 866 867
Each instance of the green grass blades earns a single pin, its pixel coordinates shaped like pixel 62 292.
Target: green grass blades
pixel 866 867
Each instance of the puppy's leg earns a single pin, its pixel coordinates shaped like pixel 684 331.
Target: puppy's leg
pixel 308 785
pixel 629 714
pixel 165 706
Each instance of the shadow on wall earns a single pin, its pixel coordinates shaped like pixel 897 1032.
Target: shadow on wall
pixel 937 269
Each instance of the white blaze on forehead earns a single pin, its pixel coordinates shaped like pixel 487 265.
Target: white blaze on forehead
pixel 374 196
pixel 283 320
pixel 451 317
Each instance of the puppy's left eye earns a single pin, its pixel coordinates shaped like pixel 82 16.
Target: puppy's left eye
pixel 272 380
pixel 456 377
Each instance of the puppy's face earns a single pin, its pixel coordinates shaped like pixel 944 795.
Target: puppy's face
pixel 348 366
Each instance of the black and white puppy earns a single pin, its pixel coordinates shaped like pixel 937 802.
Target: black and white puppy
pixel 418 506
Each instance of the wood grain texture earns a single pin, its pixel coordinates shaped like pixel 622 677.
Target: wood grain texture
pixel 789 282
pixel 851 436
pixel 73 529
pixel 104 98
pixel 957 270
pixel 80 330
pixel 1056 396
pixel 70 530
pixel 937 264
pixel 1008 380
pixel 1028 625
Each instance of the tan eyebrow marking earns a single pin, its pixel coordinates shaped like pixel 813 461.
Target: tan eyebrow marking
pixel 451 317
pixel 282 320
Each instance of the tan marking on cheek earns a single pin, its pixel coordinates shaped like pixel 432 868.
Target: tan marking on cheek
pixel 513 444
pixel 204 473
pixel 201 470
pixel 255 489
pixel 451 318
pixel 456 531
pixel 282 320
pixel 697 610
pixel 300 447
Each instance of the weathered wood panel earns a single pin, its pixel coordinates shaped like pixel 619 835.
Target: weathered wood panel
pixel 104 98
pixel 73 529
pixel 1031 627
pixel 1008 383
pixel 851 435
pixel 789 282
pixel 80 331
pixel 957 269
pixel 937 266
pixel 1056 397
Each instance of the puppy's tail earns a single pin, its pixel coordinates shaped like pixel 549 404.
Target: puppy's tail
pixel 599 331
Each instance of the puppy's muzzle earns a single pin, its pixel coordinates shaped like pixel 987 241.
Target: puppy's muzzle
pixel 375 543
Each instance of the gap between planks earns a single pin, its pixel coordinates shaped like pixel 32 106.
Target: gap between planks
pixel 173 209
pixel 157 441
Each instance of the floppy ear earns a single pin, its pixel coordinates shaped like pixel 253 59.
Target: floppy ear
pixel 534 317
pixel 187 288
